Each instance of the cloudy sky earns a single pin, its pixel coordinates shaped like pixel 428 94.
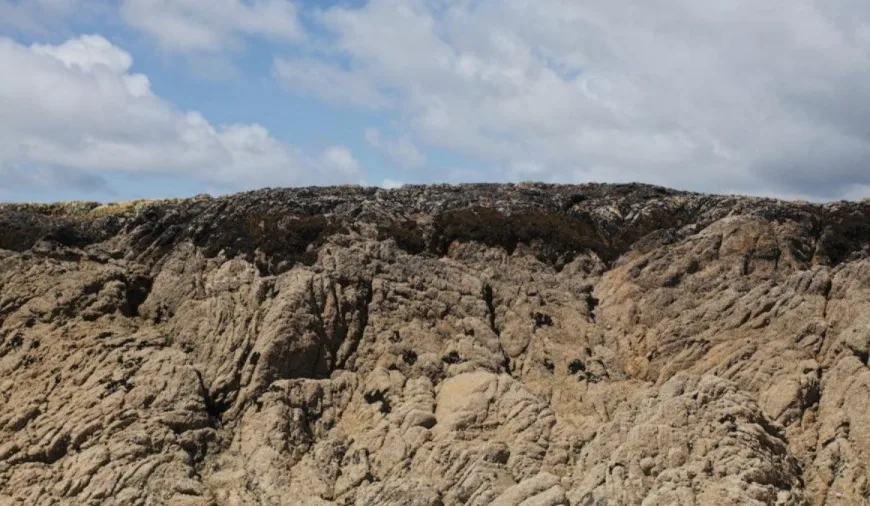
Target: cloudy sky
pixel 120 99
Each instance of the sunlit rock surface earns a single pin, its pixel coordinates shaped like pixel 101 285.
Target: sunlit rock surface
pixel 441 345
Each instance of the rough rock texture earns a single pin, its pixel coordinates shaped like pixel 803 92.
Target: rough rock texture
pixel 482 344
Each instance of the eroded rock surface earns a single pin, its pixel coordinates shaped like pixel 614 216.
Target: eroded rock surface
pixel 482 344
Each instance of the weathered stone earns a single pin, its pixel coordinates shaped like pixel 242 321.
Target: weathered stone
pixel 480 344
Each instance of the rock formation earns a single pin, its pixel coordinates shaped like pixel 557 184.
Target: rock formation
pixel 441 345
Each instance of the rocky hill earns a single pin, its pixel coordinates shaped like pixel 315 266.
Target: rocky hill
pixel 439 345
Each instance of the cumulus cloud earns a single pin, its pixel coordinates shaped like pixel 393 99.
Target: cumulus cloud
pixel 768 97
pixel 194 26
pixel 341 160
pixel 402 151
pixel 74 112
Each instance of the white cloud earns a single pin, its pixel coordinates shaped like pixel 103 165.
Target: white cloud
pixel 76 112
pixel 391 184
pixel 341 160
pixel 401 151
pixel 36 15
pixel 88 53
pixel 741 96
pixel 195 26
pixel 328 82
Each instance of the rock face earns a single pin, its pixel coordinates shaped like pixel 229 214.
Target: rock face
pixel 480 344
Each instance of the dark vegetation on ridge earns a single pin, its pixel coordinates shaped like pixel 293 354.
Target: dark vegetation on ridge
pixel 278 228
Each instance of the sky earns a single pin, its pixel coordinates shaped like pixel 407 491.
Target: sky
pixel 120 99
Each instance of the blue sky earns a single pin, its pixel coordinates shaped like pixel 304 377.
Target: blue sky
pixel 121 99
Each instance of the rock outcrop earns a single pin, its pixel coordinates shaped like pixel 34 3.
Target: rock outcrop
pixel 442 345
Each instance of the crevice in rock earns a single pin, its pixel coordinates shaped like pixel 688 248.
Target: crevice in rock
pixel 576 366
pixel 212 409
pixel 136 293
pixel 321 365
pixel 229 393
pixel 592 303
pixel 746 264
pixel 409 357
pixel 362 323
pixel 50 455
pixel 490 307
pixel 378 396
pixel 777 257
pixel 549 365
pixel 542 320
pixel 489 299
pixel 827 294
pixel 452 357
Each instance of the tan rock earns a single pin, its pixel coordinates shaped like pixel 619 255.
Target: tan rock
pixel 486 344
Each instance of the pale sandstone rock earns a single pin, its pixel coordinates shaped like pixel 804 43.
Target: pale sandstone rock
pixel 514 345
